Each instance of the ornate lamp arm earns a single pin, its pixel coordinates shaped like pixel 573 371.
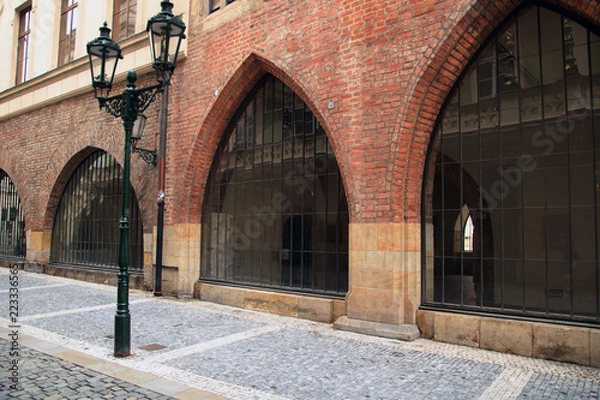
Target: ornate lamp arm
pixel 149 156
pixel 143 98
pixel 146 96
pixel 129 104
pixel 111 104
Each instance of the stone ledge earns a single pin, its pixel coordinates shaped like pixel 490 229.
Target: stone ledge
pixel 89 275
pixel 577 345
pixel 10 263
pixel 407 332
pixel 104 277
pixel 313 308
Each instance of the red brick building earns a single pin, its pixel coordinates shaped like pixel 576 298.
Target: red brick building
pixel 395 167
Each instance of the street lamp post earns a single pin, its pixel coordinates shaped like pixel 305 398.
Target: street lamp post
pixel 161 28
pixel 104 55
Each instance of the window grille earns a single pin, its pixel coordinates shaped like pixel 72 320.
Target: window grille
pixel 86 225
pixel 517 151
pixel 12 220
pixel 275 212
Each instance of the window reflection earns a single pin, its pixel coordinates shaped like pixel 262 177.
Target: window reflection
pixel 513 206
pixel 275 213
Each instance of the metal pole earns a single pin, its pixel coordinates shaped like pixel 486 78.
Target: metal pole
pixel 122 316
pixel 161 157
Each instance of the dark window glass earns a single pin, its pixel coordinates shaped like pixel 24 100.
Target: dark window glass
pixel 24 44
pixel 517 150
pixel 214 5
pixel 86 224
pixel 12 221
pixel 275 212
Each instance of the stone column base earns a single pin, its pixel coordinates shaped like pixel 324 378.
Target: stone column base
pixel 407 332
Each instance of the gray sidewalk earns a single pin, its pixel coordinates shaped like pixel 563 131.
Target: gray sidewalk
pixel 188 349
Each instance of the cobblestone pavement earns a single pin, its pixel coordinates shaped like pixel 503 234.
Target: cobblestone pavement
pixel 46 377
pixel 188 349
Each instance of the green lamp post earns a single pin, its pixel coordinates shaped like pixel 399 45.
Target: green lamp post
pixel 166 34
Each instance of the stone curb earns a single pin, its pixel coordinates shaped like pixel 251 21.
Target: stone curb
pixel 141 379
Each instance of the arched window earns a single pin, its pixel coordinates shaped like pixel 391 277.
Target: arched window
pixel 518 147
pixel 12 221
pixel 86 224
pixel 463 231
pixel 275 212
pixel 468 231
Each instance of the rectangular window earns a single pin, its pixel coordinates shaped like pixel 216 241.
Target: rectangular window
pixel 124 14
pixel 68 30
pixel 24 44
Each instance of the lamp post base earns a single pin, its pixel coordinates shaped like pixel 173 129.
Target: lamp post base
pixel 122 316
pixel 122 335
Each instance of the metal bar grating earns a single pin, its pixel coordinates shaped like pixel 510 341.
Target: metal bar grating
pixel 12 220
pixel 86 224
pixel 275 212
pixel 516 151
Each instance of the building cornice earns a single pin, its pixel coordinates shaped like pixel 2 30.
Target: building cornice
pixel 72 79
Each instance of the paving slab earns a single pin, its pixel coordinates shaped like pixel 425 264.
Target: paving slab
pixel 189 349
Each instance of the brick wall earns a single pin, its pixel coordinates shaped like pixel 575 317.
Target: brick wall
pixel 41 149
pixel 387 67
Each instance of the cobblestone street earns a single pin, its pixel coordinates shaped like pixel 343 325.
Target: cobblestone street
pixel 188 349
pixel 47 377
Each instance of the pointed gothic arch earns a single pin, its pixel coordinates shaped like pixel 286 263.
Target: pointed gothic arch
pixel 517 139
pixel 275 212
pixel 227 103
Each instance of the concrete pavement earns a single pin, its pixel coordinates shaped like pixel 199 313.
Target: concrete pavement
pixel 59 346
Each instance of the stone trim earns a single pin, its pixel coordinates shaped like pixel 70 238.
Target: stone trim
pixel 406 332
pixel 287 304
pixel 385 272
pixel 104 277
pixel 578 345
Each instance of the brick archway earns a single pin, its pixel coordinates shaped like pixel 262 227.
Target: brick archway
pixel 456 187
pixel 68 158
pixel 215 123
pixel 431 86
